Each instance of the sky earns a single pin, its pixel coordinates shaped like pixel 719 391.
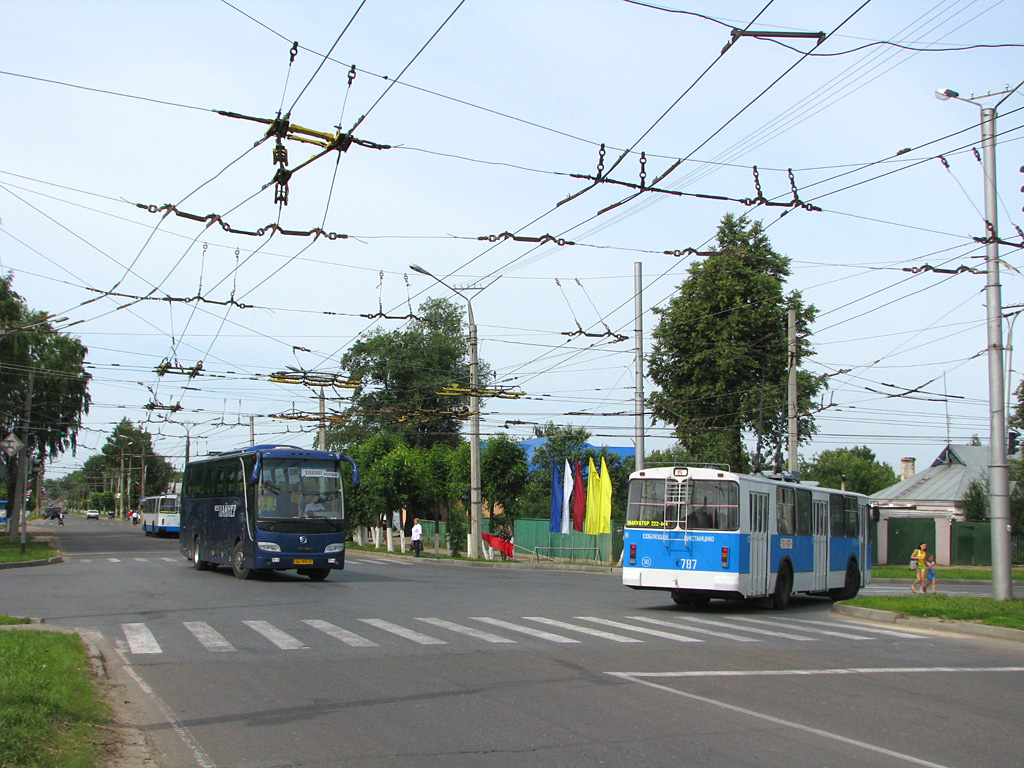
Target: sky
pixel 471 119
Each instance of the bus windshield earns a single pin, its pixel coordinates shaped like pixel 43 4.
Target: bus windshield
pixel 292 489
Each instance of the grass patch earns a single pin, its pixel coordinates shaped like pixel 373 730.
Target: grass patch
pixel 10 551
pixel 981 610
pixel 5 619
pixel 964 573
pixel 51 713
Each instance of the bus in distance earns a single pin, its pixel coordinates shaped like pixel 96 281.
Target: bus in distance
pixel 266 508
pixel 160 515
pixel 704 532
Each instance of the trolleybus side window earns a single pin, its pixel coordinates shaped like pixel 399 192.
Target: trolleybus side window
pixel 836 515
pixel 786 502
pixel 804 526
pixel 852 518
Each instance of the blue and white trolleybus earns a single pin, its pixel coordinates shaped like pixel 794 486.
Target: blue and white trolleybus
pixel 704 532
pixel 160 515
pixel 266 507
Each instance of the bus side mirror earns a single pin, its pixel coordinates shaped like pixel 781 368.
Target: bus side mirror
pixel 355 470
pixel 255 476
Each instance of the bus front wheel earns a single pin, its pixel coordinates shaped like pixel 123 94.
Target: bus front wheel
pixel 316 574
pixel 783 588
pixel 197 560
pixel 238 563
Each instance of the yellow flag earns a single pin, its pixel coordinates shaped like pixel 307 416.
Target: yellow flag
pixel 591 522
pixel 605 517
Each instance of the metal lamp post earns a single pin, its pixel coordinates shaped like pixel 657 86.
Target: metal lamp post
pixel 998 470
pixel 475 500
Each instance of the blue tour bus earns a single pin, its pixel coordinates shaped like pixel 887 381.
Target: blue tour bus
pixel 160 515
pixel 704 532
pixel 266 507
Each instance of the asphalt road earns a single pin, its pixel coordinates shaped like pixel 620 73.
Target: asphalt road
pixel 405 662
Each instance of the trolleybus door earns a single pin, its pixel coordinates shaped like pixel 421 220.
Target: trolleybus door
pixel 758 543
pixel 819 511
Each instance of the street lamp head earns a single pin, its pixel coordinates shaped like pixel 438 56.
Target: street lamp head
pixel 946 94
pixel 421 270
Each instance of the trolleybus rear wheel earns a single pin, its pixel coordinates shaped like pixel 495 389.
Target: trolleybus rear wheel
pixel 851 587
pixel 680 597
pixel 783 588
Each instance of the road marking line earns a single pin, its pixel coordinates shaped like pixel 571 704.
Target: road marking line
pixel 792 624
pixel 140 639
pixel 282 640
pixel 878 630
pixel 479 634
pixel 408 634
pixel 638 678
pixel 170 559
pixel 113 560
pixel 698 630
pixel 340 634
pixel 538 633
pixel 141 559
pixel 755 630
pixel 210 638
pixel 641 630
pixel 585 630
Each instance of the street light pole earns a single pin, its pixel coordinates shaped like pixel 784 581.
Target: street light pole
pixel 475 495
pixel 998 469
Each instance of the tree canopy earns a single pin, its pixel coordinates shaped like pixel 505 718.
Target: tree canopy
pixel 862 472
pixel 402 372
pixel 720 353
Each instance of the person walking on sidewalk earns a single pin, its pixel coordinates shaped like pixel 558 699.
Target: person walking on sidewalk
pixel 417 536
pixel 930 575
pixel 920 556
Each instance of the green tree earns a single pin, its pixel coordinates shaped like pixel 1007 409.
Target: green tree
pixel 975 498
pixel 858 466
pixel 127 455
pixel 103 501
pixel 720 352
pixel 503 475
pixel 402 372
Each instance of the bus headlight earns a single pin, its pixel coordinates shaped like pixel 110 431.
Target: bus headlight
pixel 339 547
pixel 269 546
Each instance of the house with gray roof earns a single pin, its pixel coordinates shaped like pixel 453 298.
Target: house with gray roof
pixel 935 494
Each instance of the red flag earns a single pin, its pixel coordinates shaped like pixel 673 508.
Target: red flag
pixel 499 544
pixel 579 499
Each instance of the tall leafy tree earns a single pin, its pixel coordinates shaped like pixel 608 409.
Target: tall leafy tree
pixel 402 372
pixel 720 353
pixel 858 466
pixel 503 474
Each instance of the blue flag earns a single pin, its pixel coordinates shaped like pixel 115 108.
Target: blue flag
pixel 556 503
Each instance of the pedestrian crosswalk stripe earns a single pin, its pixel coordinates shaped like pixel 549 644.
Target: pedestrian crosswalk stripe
pixel 860 628
pixel 210 638
pixel 585 630
pixel 479 634
pixel 171 559
pixel 812 630
pixel 281 639
pixel 408 634
pixel 140 639
pixel 113 560
pixel 698 630
pixel 755 630
pixel 641 630
pixel 349 638
pixel 538 633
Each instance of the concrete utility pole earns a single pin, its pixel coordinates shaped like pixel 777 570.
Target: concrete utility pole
pixel 322 442
pixel 794 420
pixel 998 469
pixel 19 513
pixel 638 311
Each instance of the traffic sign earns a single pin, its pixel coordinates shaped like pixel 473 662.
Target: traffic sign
pixel 11 444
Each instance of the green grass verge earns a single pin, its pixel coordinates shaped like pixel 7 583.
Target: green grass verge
pixel 51 713
pixel 10 552
pixel 5 619
pixel 942 572
pixel 982 610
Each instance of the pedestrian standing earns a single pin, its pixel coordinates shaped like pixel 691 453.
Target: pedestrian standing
pixel 417 536
pixel 930 575
pixel 920 556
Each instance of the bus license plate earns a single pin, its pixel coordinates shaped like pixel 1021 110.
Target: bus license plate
pixel 298 561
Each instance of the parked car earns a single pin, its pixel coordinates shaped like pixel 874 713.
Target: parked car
pixel 92 514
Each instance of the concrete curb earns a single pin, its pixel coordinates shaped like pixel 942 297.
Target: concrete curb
pixel 516 564
pixel 32 563
pixel 941 625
